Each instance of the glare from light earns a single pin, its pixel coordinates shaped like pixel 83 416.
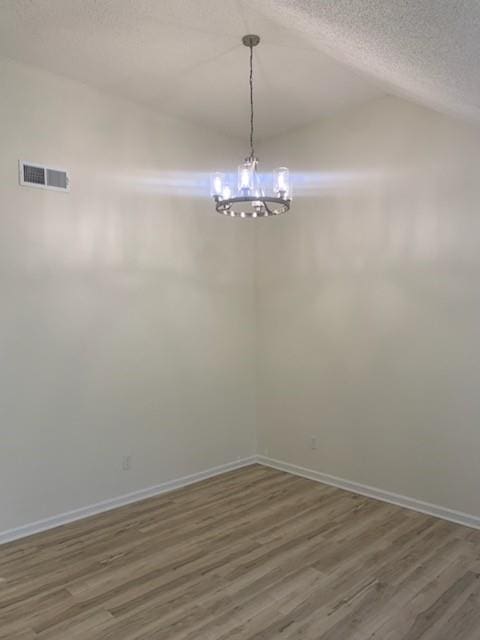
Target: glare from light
pixel 196 184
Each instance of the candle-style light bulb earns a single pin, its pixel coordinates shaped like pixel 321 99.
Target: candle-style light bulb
pixel 281 183
pixel 217 184
pixel 246 177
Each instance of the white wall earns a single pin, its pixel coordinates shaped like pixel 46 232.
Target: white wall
pixel 369 304
pixel 128 308
pixel 126 321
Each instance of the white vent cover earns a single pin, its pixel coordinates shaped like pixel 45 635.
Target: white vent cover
pixel 36 175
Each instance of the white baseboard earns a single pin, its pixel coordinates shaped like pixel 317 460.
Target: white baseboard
pixel 120 501
pixel 372 492
pixel 355 487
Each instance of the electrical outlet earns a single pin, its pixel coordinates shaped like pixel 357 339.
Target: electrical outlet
pixel 127 463
pixel 266 452
pixel 313 442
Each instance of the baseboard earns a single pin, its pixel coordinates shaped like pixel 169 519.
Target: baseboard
pixel 120 501
pixel 373 492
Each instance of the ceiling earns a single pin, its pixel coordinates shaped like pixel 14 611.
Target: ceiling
pixel 426 50
pixel 184 57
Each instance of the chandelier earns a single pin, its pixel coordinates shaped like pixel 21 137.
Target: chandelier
pixel 249 200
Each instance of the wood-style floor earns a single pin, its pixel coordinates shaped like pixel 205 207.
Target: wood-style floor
pixel 253 554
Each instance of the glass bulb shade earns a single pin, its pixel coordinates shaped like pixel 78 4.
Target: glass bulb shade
pixel 246 177
pixel 226 192
pixel 217 184
pixel 281 182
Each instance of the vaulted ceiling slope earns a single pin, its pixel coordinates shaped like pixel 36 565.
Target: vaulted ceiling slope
pixel 184 57
pixel 427 50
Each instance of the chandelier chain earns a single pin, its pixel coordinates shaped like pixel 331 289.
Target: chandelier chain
pixel 252 150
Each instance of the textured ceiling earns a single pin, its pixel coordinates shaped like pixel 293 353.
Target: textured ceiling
pixel 427 50
pixel 184 57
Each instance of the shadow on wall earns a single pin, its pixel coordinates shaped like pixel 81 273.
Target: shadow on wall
pixel 364 216
pixel 343 219
pixel 355 220
pixel 125 222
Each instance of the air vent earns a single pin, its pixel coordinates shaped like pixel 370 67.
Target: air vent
pixel 39 176
pixel 33 175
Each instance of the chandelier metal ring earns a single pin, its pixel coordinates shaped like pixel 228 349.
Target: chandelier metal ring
pixel 228 206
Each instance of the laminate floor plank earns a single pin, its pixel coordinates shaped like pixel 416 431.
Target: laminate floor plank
pixel 253 554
